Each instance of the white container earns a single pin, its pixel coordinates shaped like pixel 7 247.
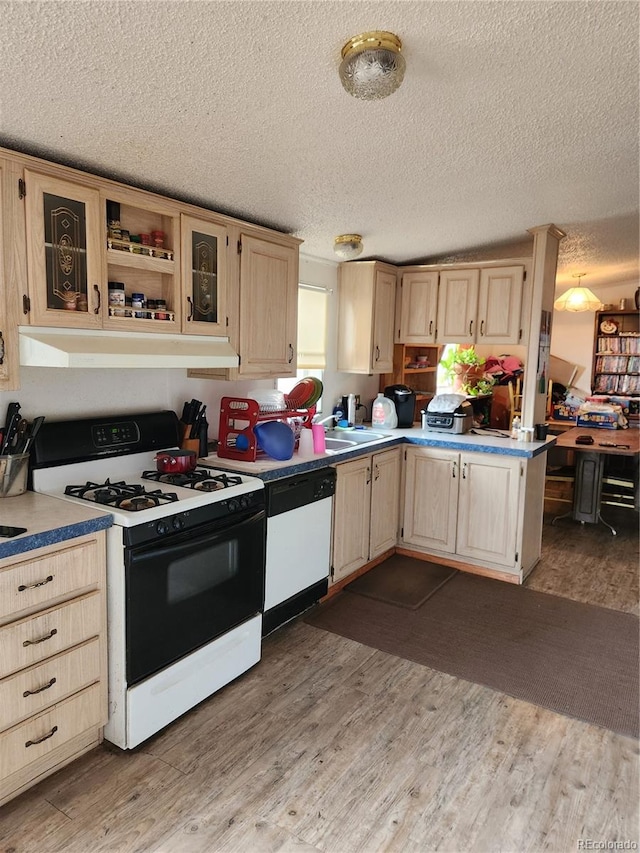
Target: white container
pixel 305 443
pixel 383 413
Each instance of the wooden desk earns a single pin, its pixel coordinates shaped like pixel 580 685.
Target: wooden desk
pixel 587 493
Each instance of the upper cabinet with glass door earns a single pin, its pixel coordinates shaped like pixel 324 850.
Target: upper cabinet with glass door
pixel 204 277
pixel 63 253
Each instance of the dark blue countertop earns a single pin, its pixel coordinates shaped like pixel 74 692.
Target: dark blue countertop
pixel 48 521
pixel 268 469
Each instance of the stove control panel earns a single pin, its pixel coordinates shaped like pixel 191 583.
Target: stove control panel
pixel 116 434
pixel 214 513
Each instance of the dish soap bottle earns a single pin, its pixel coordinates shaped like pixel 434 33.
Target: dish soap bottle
pixel 515 428
pixel 383 413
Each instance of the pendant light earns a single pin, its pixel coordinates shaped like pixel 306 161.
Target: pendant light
pixel 372 65
pixel 578 298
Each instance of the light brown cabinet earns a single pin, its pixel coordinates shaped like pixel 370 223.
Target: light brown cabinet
pixel 64 256
pixel 268 307
pixel 13 271
pixel 204 276
pixel 366 306
pixel 53 690
pixel 208 275
pixel 417 307
pixel 263 305
pixel 464 505
pixel 365 510
pixel 462 305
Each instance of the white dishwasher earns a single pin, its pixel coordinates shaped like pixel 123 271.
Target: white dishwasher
pixel 298 553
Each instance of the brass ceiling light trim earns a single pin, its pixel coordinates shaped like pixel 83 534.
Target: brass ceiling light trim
pixel 578 298
pixel 348 246
pixel 372 65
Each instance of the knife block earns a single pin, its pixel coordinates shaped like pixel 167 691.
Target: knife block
pixel 189 443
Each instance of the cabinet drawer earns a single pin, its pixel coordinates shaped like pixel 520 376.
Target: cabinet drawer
pixel 38 637
pixel 40 735
pixel 28 692
pixel 36 582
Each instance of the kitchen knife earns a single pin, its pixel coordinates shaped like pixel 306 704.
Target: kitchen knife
pixel 32 433
pixel 10 433
pixel 12 416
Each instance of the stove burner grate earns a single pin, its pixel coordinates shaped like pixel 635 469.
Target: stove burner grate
pixel 133 498
pixel 200 478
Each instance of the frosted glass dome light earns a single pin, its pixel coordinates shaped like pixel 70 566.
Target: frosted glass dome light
pixel 348 246
pixel 372 65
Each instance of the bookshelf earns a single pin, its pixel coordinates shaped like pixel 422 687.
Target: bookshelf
pixel 616 355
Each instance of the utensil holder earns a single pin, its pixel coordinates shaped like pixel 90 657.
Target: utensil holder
pixel 13 475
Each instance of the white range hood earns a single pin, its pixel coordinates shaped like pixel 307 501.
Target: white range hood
pixel 44 347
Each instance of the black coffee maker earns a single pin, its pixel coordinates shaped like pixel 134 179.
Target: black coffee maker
pixel 405 402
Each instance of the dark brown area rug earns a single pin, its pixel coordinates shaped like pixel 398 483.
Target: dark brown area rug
pixel 403 581
pixel 572 658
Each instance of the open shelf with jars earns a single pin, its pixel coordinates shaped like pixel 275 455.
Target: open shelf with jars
pixel 141 256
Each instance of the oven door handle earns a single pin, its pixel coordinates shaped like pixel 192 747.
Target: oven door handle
pixel 225 528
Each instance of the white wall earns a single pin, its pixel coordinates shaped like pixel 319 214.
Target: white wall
pixel 59 393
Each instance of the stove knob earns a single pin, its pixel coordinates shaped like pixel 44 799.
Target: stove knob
pixel 162 527
pixel 245 502
pixel 178 523
pixel 233 505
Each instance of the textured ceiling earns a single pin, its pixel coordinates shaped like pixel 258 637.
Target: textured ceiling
pixel 511 115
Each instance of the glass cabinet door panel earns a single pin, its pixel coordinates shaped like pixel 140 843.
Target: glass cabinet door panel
pixel 204 250
pixel 65 231
pixel 63 252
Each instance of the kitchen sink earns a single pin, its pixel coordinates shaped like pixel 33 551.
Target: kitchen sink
pixel 354 436
pixel 334 444
pixel 337 440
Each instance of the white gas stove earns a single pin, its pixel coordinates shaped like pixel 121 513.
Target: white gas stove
pixel 185 564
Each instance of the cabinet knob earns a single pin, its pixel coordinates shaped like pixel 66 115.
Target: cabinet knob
pixel 190 313
pixel 453 470
pixel 291 353
pixel 470 328
pixel 482 328
pixel 96 290
pixel 430 326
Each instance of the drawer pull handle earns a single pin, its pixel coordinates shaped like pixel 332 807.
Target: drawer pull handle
pixel 22 587
pixel 44 737
pixel 42 639
pixel 39 689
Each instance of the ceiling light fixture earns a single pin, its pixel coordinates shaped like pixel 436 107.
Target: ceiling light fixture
pixel 348 246
pixel 578 298
pixel 372 65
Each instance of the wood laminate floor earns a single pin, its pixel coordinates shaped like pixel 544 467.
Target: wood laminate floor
pixel 327 745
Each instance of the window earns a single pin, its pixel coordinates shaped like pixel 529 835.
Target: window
pixel 312 336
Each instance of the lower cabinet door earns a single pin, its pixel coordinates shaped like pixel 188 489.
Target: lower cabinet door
pixel 385 488
pixel 488 508
pixel 431 499
pixel 351 517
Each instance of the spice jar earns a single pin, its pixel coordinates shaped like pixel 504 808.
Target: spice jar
pixel 137 303
pixel 116 296
pixel 161 310
pixel 158 238
pixel 145 239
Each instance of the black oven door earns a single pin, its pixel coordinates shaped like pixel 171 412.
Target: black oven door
pixel 189 588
